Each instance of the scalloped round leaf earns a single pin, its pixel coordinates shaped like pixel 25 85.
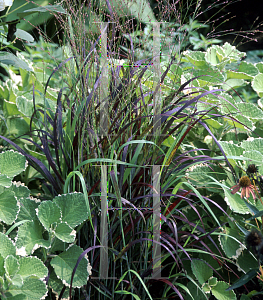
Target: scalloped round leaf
pixel 32 266
pixel 257 83
pixel 250 110
pixel 32 287
pixel 5 181
pixel 212 281
pixel 9 207
pixel 197 58
pixel 199 175
pixel 260 67
pixel 209 75
pixel 219 291
pixel 242 124
pixel 17 281
pixel 30 236
pixel 22 34
pixel 65 233
pixel 48 213
pixel 237 75
pixel 232 83
pixel 20 190
pixel 248 68
pixel 231 149
pixel 235 202
pixel 253 144
pixel 7 246
pixel 25 106
pixel 229 243
pixel 27 210
pixel 12 163
pixel 213 123
pixel 64 264
pixel 11 265
pixel 73 207
pixel 17 126
pixel 201 270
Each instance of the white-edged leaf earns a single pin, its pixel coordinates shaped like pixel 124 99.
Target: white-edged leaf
pixel 219 291
pixel 48 213
pixel 8 207
pixel 32 266
pixel 33 288
pixel 30 237
pixel 201 270
pixel 7 246
pixel 65 233
pixel 12 163
pixel 73 208
pixel 64 264
pixel 11 265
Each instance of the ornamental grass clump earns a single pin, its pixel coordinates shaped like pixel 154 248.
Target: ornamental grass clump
pixel 117 137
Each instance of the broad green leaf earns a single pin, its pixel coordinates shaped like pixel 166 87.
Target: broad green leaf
pixel 10 108
pixel 25 106
pixel 20 190
pixel 219 291
pixel 23 35
pixel 8 207
pixel 253 144
pixel 48 213
pixel 64 264
pixel 73 208
pixel 250 110
pixel 197 58
pixel 43 9
pixel 7 246
pixel 232 83
pixel 5 180
pixel 257 83
pixel 32 287
pixel 12 163
pixel 201 270
pixel 229 242
pixel 248 68
pixel 213 123
pixel 11 265
pixel 17 281
pixel 231 149
pixel 30 237
pixel 260 67
pixel 11 59
pixel 246 261
pixel 212 281
pixel 32 266
pixel 17 126
pixel 27 209
pixel 235 202
pixel 65 233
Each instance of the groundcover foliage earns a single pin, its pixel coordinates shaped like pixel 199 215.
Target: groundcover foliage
pixel 58 163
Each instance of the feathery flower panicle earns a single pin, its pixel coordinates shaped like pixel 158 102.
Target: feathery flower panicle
pixel 5 3
pixel 247 187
